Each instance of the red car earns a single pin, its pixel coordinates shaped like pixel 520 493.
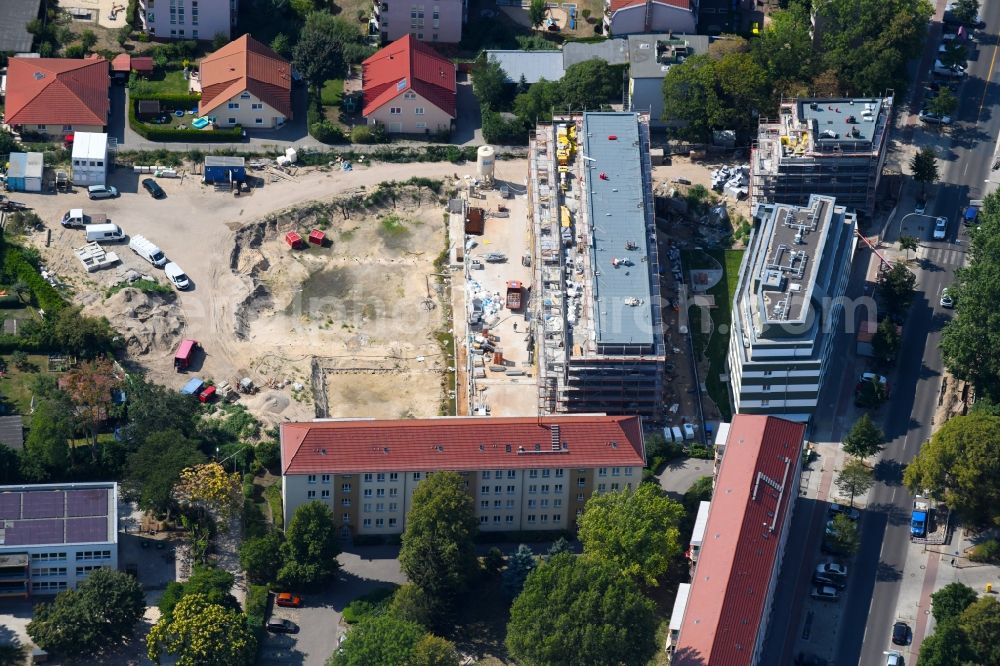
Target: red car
pixel 288 600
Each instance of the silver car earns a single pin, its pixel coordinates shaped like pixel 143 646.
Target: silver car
pixel 102 192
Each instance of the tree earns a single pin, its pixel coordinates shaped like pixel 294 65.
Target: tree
pixel 261 557
pixel 924 167
pixel 886 341
pixel 855 479
pixel 897 285
pixel 46 453
pixel 519 565
pixel 153 408
pixel 827 84
pixel 410 603
pixel 282 45
pixel 438 554
pixel 583 607
pixel 212 583
pixel 8 144
pixel 538 102
pixel 493 561
pixel 101 612
pixel 209 486
pixel 980 622
pixel 590 84
pixel 203 634
pixel 155 468
pixel 558 547
pixel 960 465
pixel 219 40
pixel 947 646
pixel 950 601
pixel 784 49
pixel 536 12
pixel 842 535
pixel 908 244
pixel 88 39
pixel 433 650
pixel 865 438
pixel 86 337
pixel 726 44
pixel 966 11
pixel 318 55
pixel 489 84
pixel 383 639
pixel 636 531
pixel 90 386
pixel 944 104
pixel 10 466
pixel 311 548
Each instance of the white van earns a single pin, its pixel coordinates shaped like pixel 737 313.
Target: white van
pixel 104 233
pixel 147 250
pixel 176 276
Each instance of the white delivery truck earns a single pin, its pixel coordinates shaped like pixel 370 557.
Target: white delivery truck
pixel 147 250
pixel 104 233
pixel 176 276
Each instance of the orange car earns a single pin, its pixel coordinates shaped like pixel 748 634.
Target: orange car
pixel 288 599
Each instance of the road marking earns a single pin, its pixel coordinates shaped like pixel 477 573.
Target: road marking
pixel 987 88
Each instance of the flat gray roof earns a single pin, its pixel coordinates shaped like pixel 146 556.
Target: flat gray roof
pixel 532 65
pixel 650 56
pixel 617 207
pixel 612 51
pixel 847 119
pixel 14 35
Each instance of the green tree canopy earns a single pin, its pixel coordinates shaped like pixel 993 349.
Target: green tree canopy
pixel 855 479
pixel 924 167
pixel 538 101
pixel 489 84
pixel 784 48
pixel 896 285
pixel 261 557
pixel 590 84
pixel 865 438
pixel 212 583
pixel 950 601
pixel 311 546
pixel 947 646
pixel 438 554
pixel 382 639
pixel 961 466
pixel 433 650
pixel 636 531
pixel 101 612
pixel 318 54
pixel 201 633
pixel 886 341
pixel 47 454
pixel 411 603
pixel 580 611
pixel 155 467
pixel 966 11
pixel 536 12
pixel 521 563
pixel 842 535
pixel 980 622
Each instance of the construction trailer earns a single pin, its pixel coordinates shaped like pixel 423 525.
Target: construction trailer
pixel 25 172
pixel 224 169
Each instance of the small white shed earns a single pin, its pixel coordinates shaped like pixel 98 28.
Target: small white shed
pixel 90 158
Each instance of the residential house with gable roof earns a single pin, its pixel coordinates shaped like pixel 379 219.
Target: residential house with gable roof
pixel 57 96
pixel 246 83
pixel 409 88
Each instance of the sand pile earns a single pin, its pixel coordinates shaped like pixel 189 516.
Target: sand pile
pixel 147 322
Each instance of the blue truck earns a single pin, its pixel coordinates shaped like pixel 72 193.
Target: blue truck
pixel 920 518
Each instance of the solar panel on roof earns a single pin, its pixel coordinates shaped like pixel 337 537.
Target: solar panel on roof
pixel 44 504
pixel 86 530
pixel 25 532
pixel 87 502
pixel 10 505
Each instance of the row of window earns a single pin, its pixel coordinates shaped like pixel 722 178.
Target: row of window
pixel 49 586
pixel 396 110
pixel 83 163
pixel 56 556
pixel 50 572
pixel 532 518
pixel 254 106
pixel 379 522
pixel 509 504
pixel 65 128
pixel 532 489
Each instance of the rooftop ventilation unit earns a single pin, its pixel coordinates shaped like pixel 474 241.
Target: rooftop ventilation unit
pixel 772 280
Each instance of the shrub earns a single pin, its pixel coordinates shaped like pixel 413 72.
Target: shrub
pixel 256 605
pixel 369 605
pixel 75 51
pixel 361 134
pixel 326 132
pixel 585 13
pixel 17 267
pixel 987 551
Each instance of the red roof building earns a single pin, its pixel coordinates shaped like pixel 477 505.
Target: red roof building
pixel 732 587
pixel 123 63
pixel 531 473
pixel 58 95
pixel 246 83
pixel 409 88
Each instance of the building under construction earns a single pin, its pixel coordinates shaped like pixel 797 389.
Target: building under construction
pixel 831 147
pixel 598 326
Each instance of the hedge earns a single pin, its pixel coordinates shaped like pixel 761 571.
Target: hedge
pixel 178 100
pixel 165 134
pixel 256 605
pixel 18 268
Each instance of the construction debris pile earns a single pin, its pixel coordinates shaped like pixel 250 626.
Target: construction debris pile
pixel 733 181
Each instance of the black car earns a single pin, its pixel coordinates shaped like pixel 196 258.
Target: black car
pixel 153 188
pixel 901 633
pixel 282 626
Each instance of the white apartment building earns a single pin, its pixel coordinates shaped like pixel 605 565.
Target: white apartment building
pixel 53 535
pixel 523 473
pixel 788 306
pixel 188 19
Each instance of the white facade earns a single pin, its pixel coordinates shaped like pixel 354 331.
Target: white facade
pixel 64 562
pixel 90 158
pixel 188 19
pixel 248 111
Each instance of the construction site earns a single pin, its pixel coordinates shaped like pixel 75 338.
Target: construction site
pixel 596 318
pixel 832 147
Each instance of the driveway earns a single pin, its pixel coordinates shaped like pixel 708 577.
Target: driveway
pixel 678 476
pixel 468 123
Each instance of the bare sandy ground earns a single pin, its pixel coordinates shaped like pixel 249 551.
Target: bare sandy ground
pixel 363 320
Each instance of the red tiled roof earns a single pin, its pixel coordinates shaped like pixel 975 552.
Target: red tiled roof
pixel 408 64
pixel 142 63
pixel 121 63
pixel 57 91
pixel 459 443
pixel 246 65
pixel 617 5
pixel 729 589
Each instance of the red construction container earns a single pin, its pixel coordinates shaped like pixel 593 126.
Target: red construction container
pixel 498 358
pixel 184 354
pixel 293 239
pixel 207 395
pixel 317 237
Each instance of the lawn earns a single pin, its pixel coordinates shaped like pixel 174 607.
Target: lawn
pixel 333 91
pixel 715 344
pixel 165 83
pixel 15 385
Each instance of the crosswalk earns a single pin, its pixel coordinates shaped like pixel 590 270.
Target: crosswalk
pixel 950 255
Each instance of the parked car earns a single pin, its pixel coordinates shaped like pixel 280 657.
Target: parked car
pixel 947 300
pixel 282 626
pixel 901 633
pixel 929 118
pixel 970 216
pixel 940 228
pixel 920 207
pixel 948 71
pixel 833 569
pixel 176 276
pixel 153 188
pixel 872 377
pixel 893 658
pixel 102 192
pixel 848 511
pixel 825 593
pixel 288 600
